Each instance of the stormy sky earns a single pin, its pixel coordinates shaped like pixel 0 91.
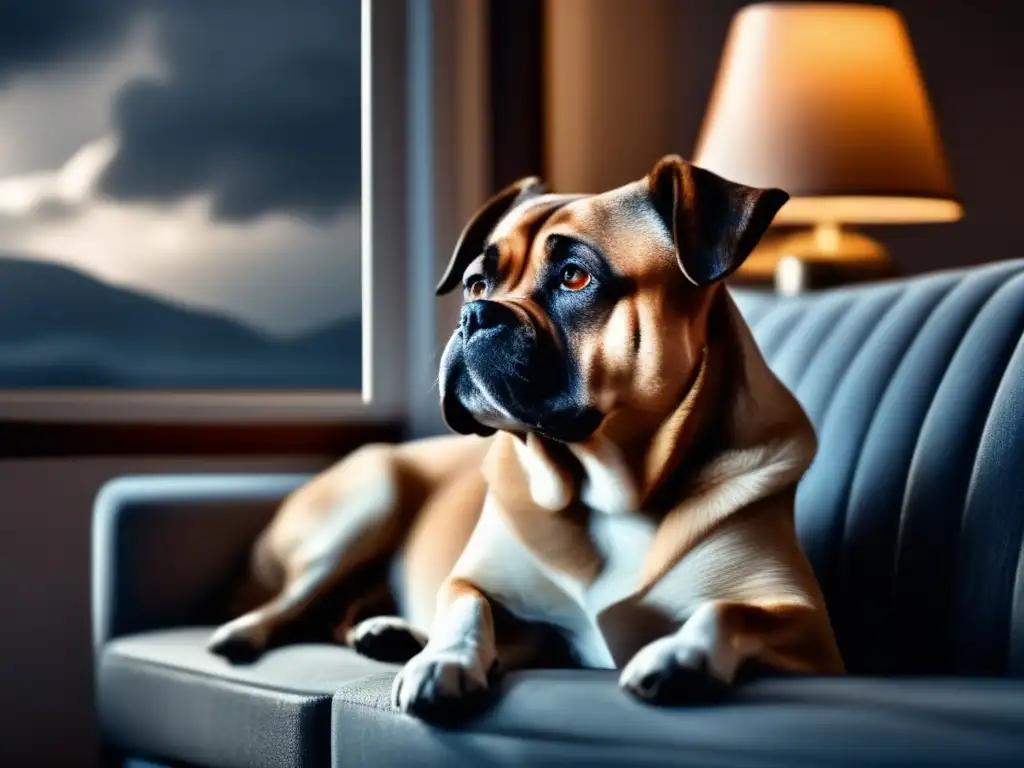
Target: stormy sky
pixel 203 149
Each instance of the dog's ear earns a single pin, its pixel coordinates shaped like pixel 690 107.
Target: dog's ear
pixel 715 223
pixel 471 241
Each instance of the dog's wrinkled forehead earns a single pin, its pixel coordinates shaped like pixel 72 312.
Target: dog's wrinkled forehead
pixel 712 223
pixel 622 225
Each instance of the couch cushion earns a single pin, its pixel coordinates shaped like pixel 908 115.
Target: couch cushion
pixel 161 695
pixel 582 718
pixel 913 511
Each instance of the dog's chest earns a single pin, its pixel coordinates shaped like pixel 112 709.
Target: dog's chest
pixel 622 540
pixel 602 623
pixel 611 627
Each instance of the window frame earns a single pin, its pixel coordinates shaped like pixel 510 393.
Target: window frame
pixel 385 201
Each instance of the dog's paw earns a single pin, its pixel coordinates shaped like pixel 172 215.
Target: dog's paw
pixel 386 638
pixel 240 641
pixel 442 684
pixel 670 671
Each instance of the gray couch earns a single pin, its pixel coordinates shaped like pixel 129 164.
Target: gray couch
pixel 912 515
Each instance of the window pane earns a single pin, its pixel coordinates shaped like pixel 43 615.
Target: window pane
pixel 179 194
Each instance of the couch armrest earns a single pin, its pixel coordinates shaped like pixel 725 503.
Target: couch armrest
pixel 168 549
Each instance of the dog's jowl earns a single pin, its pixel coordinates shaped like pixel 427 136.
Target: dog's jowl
pixel 620 491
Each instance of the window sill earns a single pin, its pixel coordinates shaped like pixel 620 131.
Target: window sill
pixel 198 407
pixel 34 440
pixel 37 424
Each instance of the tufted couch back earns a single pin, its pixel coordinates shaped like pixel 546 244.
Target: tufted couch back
pixel 913 511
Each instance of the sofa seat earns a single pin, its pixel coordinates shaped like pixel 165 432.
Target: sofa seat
pixel 164 696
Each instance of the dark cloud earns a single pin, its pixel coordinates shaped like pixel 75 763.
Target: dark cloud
pixel 36 33
pixel 260 108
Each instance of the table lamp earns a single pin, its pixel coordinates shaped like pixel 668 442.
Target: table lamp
pixel 826 101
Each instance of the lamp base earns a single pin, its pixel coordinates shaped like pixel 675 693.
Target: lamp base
pixel 826 256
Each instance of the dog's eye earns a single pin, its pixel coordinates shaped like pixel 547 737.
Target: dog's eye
pixel 476 288
pixel 574 278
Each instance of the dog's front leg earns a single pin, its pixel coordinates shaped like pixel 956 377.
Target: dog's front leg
pixel 455 668
pixel 700 661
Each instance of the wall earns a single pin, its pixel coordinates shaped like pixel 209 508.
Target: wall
pixel 46 711
pixel 628 81
pixel 612 90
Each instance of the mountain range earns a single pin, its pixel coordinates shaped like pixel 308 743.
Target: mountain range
pixel 62 328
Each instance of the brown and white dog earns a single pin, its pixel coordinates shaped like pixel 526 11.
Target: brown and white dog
pixel 621 494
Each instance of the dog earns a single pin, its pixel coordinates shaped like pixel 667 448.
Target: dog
pixel 620 490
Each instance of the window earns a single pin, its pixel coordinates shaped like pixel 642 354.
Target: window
pixel 181 198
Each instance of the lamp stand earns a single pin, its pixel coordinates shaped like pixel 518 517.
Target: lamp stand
pixel 828 255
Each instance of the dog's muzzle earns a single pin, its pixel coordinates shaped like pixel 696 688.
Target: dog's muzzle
pixel 500 372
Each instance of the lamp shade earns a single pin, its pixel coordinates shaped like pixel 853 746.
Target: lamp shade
pixel 826 101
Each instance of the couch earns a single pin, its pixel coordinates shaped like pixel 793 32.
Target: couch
pixel 912 515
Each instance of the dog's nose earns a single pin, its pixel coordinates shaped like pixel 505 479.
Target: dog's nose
pixel 481 315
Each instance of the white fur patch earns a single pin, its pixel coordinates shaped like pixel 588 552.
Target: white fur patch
pixel 458 626
pixel 623 541
pixel 701 644
pixel 497 562
pixel 548 488
pixel 608 486
pixel 456 661
pixel 704 637
pixel 502 567
pixel 381 624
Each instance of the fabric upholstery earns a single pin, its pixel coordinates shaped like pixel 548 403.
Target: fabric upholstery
pixel 582 718
pixel 166 548
pixel 913 512
pixel 912 515
pixel 161 695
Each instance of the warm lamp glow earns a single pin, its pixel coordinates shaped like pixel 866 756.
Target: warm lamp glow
pixel 869 210
pixel 827 102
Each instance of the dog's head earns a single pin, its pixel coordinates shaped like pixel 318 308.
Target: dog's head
pixel 580 307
